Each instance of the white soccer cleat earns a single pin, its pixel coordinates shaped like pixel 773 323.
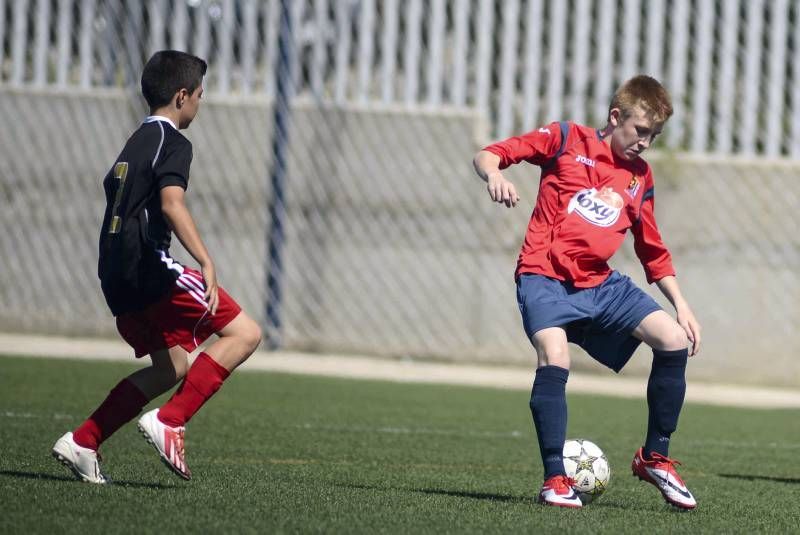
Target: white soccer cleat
pixel 168 442
pixel 82 461
pixel 559 491
pixel 660 472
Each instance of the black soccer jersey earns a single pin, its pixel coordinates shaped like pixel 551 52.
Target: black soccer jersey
pixel 135 267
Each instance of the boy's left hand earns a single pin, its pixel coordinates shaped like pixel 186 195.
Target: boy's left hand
pixel 212 289
pixel 690 324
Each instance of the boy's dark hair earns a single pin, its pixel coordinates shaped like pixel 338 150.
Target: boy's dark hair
pixel 169 71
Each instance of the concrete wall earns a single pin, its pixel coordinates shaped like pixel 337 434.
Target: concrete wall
pixel 393 247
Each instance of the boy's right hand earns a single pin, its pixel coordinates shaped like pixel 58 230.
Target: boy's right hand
pixel 501 190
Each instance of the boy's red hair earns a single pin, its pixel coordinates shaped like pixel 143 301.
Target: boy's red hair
pixel 644 92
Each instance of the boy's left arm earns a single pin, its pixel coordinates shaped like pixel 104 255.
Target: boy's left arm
pixel 182 224
pixel 657 263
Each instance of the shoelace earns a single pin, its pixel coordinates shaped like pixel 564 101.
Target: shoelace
pixel 662 459
pixel 179 441
pixel 176 436
pixel 562 482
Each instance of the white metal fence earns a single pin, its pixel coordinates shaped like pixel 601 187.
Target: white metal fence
pixel 731 65
pixel 391 244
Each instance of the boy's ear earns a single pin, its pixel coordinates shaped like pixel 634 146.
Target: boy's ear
pixel 180 97
pixel 615 117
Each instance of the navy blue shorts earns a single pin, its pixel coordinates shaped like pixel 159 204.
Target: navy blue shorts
pixel 599 319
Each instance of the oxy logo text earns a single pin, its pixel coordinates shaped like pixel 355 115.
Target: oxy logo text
pixel 601 208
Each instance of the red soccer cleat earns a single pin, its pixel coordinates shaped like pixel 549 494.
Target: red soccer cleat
pixel 558 491
pixel 660 471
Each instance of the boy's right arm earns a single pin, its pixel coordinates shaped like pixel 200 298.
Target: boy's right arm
pixel 536 147
pixel 487 165
pixel 180 221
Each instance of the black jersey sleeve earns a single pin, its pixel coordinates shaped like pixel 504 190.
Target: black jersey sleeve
pixel 172 166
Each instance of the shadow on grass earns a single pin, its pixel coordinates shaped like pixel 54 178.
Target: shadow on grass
pixel 476 495
pixel 457 493
pixel 528 500
pixel 657 506
pixel 68 479
pixel 793 480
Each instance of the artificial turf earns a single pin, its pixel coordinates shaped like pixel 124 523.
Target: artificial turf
pixel 276 453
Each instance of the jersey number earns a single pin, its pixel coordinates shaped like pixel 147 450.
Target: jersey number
pixel 120 173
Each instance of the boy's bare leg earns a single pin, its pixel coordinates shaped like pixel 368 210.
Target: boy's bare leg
pixel 130 395
pixel 549 410
pixel 660 331
pixel 552 348
pixel 164 427
pixel 78 450
pixel 237 341
pixel 169 366
pixel 666 389
pixel 666 386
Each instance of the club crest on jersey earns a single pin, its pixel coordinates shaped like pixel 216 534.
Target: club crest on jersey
pixel 633 187
pixel 601 208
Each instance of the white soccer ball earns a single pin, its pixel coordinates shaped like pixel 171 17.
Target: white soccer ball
pixel 586 463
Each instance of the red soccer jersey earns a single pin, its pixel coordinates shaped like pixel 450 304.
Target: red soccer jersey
pixel 588 199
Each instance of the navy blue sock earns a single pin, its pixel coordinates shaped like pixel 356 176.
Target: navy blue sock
pixel 665 392
pixel 549 409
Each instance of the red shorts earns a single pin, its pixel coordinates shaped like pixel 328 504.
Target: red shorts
pixel 180 318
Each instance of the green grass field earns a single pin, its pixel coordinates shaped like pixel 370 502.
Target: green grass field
pixel 280 453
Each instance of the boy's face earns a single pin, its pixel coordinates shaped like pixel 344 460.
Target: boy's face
pixel 633 135
pixel 188 104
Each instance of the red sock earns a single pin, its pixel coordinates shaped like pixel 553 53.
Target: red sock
pixel 121 405
pixel 204 378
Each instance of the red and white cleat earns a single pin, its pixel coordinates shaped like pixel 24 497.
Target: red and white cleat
pixel 82 461
pixel 558 491
pixel 168 442
pixel 660 471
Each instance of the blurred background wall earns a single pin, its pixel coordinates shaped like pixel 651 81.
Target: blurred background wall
pixel 379 237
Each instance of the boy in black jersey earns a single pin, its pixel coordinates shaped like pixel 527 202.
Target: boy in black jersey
pixel 162 309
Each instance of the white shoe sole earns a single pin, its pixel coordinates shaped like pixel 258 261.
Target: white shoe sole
pixel 674 503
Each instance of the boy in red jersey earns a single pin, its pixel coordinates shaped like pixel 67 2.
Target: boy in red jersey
pixel 162 308
pixel 595 187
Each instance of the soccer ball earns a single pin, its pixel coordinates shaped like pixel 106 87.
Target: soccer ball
pixel 587 465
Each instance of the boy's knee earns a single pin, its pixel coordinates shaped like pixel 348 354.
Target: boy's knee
pixel 256 336
pixel 251 335
pixel 551 347
pixel 673 340
pixel 554 355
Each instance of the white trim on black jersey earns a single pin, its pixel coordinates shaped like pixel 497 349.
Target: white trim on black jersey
pixel 159 119
pixel 170 262
pixel 160 144
pixel 153 118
